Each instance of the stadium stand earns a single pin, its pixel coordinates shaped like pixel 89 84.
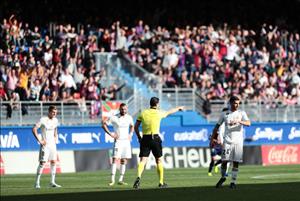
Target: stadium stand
pixel 55 62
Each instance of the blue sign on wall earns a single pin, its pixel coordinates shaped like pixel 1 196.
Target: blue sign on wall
pixel 93 137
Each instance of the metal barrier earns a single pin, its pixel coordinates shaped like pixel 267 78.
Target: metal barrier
pixel 69 113
pixel 89 112
pixel 257 111
pixel 78 112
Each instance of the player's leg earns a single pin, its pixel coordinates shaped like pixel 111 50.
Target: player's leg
pixel 43 154
pixel 211 165
pixel 116 155
pixel 223 174
pixel 226 156
pixel 53 158
pixel 156 147
pixel 53 173
pixel 140 169
pixel 38 174
pixel 212 162
pixel 113 171
pixel 216 165
pixel 126 154
pixel 237 158
pixel 122 171
pixel 234 173
pixel 144 154
pixel 218 160
pixel 160 172
pixel 141 166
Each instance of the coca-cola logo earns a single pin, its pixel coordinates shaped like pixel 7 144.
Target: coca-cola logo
pixel 287 155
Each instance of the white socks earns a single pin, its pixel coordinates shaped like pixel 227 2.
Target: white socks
pixel 53 172
pixel 122 171
pixel 234 174
pixel 113 171
pixel 39 173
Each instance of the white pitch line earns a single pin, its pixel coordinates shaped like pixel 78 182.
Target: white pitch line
pixel 275 175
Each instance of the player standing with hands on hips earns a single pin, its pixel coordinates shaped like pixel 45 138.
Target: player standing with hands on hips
pixel 123 131
pixel 150 141
pixel 234 120
pixel 48 125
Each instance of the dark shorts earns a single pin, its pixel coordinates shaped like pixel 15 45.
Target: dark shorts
pixel 216 151
pixel 151 143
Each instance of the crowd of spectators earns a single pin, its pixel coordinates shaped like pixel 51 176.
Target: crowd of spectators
pixel 259 65
pixel 217 60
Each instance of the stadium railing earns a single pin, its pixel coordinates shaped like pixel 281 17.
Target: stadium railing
pixel 259 111
pixel 78 112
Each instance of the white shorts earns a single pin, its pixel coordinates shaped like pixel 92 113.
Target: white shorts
pixel 232 152
pixel 122 149
pixel 48 153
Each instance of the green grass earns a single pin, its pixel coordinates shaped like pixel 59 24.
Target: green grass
pixel 255 183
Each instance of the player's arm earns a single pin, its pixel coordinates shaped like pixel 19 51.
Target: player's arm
pixel 137 130
pixel 131 129
pixel 172 111
pixel 105 128
pixel 245 123
pixel 214 135
pixel 36 135
pixel 56 135
pixel 245 120
pixel 216 129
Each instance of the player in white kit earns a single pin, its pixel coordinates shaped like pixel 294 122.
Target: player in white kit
pixel 48 126
pixel 123 130
pixel 234 120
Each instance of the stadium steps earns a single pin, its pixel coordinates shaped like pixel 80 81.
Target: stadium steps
pixel 143 89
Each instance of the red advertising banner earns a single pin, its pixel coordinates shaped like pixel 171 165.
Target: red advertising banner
pixel 2 169
pixel 280 154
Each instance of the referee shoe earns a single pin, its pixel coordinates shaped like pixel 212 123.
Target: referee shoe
pixel 137 182
pixel 163 185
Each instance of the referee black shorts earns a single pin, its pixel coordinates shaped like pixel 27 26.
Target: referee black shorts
pixel 151 143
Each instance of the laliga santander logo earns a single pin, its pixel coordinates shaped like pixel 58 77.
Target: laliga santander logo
pixel 284 155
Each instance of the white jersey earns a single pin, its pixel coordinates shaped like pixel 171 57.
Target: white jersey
pixel 233 133
pixel 121 125
pixel 48 127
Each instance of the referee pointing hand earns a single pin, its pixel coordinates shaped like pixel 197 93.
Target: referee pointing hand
pixel 150 140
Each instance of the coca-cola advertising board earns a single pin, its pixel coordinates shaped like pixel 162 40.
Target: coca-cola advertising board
pixel 280 154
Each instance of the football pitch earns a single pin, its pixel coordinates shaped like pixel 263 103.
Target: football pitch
pixel 255 183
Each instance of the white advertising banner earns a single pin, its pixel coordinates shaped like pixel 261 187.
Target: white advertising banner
pixel 26 162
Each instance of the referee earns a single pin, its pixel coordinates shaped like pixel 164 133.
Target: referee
pixel 150 140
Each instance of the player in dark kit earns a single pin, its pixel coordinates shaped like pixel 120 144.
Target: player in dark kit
pixel 215 153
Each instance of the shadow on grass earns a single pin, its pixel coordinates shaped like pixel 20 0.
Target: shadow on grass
pixel 244 192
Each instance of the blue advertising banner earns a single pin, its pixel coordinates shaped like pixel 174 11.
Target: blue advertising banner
pixel 93 137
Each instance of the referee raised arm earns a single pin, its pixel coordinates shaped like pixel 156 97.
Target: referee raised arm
pixel 150 140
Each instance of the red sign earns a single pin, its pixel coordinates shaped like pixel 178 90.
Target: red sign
pixel 2 169
pixel 280 154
